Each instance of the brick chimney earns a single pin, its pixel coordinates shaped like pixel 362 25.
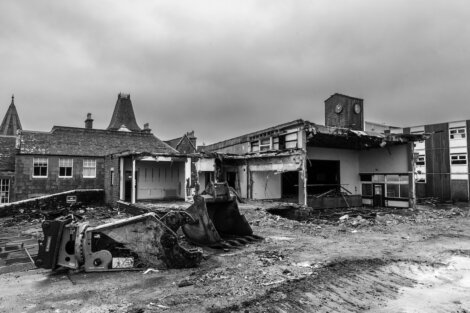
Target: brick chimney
pixel 89 121
pixel 146 128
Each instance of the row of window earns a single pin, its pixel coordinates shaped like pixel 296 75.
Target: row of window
pixel 40 168
pixel 288 141
pixel 455 159
pixel 396 186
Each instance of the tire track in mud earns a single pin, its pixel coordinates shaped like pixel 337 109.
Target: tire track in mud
pixel 344 287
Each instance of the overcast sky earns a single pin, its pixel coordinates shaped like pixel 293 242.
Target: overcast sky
pixel 225 68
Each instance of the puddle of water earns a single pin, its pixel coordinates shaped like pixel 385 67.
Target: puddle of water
pixel 445 289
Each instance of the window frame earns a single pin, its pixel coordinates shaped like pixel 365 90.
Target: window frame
pixel 89 167
pixel 5 190
pixel 254 144
pixel 39 163
pixel 403 180
pixel 457 133
pixel 66 167
pixel 461 159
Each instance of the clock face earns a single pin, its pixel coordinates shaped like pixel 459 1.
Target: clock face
pixel 338 108
pixel 357 108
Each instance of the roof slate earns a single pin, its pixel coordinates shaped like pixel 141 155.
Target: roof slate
pixel 7 153
pixel 89 142
pixel 123 114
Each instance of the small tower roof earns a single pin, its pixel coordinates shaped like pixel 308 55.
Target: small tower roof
pixel 123 114
pixel 11 122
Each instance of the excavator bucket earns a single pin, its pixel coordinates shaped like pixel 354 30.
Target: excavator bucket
pixel 218 219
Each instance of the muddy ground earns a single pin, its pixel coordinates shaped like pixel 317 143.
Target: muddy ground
pixel 404 261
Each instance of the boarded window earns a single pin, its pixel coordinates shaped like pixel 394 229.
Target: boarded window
pixel 255 146
pixel 276 143
pixel 65 167
pixel 39 167
pixel 265 144
pixel 89 168
pixel 291 141
pixel 367 190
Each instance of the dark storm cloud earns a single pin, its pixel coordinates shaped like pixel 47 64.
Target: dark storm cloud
pixel 225 68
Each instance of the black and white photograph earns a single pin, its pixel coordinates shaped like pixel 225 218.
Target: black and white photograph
pixel 257 156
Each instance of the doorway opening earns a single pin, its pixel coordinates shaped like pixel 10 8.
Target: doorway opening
pixel 290 186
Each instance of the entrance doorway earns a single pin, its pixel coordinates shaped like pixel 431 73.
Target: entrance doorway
pixel 232 179
pixel 128 186
pixel 379 199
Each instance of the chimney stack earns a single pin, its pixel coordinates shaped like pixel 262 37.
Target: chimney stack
pixel 89 121
pixel 146 128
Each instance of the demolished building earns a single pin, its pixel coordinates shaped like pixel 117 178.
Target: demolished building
pixel 302 161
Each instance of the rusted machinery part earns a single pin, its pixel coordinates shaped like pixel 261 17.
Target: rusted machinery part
pixel 151 239
pixel 175 219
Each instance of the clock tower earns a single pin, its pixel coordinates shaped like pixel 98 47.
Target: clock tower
pixel 344 111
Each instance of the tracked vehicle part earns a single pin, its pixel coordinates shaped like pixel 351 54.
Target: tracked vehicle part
pixel 218 218
pixel 136 242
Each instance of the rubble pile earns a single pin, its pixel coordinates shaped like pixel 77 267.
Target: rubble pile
pixel 287 215
pixel 35 216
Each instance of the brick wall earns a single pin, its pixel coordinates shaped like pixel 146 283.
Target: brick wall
pixel 26 186
pixel 347 118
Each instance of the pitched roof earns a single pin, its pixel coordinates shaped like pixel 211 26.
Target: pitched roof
pixel 123 115
pixel 89 142
pixel 184 144
pixel 11 122
pixel 7 153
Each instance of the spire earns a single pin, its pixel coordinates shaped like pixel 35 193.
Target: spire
pixel 123 115
pixel 11 122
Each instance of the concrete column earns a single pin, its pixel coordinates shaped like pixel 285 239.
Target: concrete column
pixel 303 171
pixel 412 166
pixel 121 179
pixel 133 181
pixel 186 176
pixel 303 181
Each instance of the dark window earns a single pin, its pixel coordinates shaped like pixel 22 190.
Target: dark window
pixel 65 167
pixel 39 167
pixel 458 159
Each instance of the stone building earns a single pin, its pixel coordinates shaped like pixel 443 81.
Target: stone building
pixel 115 159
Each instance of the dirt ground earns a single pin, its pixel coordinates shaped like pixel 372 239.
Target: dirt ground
pixel 404 261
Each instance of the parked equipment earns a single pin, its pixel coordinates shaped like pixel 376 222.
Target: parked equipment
pixel 219 222
pixel 136 242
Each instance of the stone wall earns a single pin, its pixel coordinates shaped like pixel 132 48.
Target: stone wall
pixel 52 202
pixel 27 186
